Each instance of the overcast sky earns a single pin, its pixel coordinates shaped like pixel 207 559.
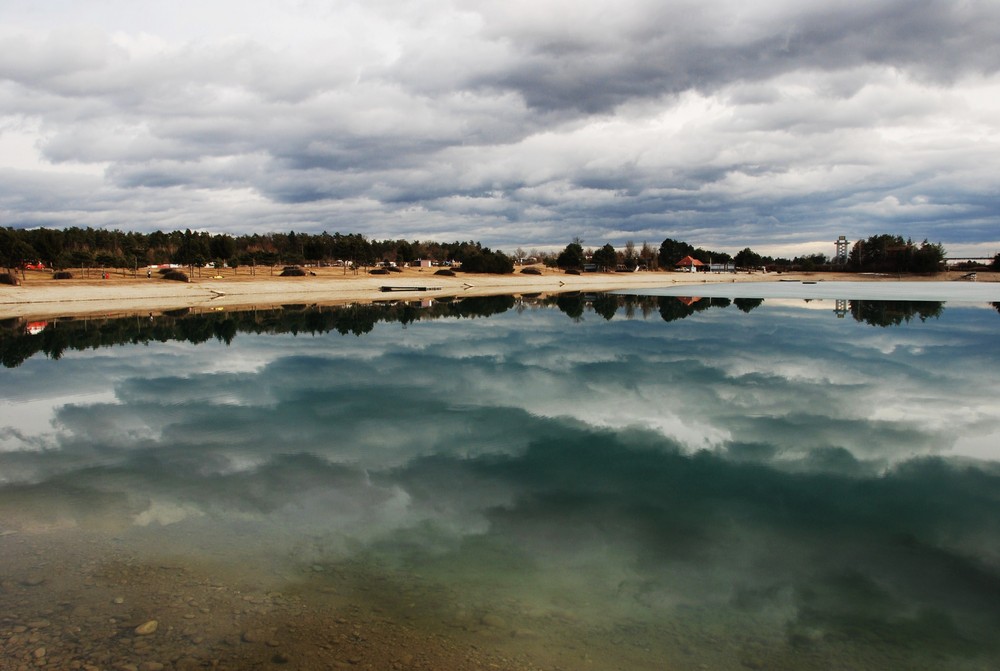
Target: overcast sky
pixel 776 124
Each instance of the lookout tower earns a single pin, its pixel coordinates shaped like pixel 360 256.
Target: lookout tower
pixel 841 258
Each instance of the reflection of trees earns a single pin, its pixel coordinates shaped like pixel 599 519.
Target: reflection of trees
pixel 748 304
pixel 996 305
pixel 894 313
pixel 16 346
pixel 572 304
pixel 673 308
pixel 480 306
pixel 606 305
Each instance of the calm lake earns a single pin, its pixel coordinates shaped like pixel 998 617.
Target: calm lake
pixel 567 482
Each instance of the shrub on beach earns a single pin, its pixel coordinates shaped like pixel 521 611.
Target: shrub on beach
pixel 176 276
pixel 378 271
pixel 486 261
pixel 7 278
pixel 446 272
pixel 531 271
pixel 62 275
pixel 293 271
pixel 572 271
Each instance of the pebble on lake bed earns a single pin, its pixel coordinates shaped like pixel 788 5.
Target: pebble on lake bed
pixel 146 628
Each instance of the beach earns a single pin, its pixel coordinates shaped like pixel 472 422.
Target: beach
pixel 122 292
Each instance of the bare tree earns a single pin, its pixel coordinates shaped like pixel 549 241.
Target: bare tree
pixel 648 256
pixel 630 258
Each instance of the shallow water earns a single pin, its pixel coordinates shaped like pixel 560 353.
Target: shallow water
pixel 577 482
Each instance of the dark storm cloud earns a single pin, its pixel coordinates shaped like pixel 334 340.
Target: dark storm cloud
pixel 524 124
pixel 667 49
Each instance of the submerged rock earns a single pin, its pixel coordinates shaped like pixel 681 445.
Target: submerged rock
pixel 146 628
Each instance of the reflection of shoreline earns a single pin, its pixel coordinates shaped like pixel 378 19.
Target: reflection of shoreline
pixel 40 297
pixel 20 339
pixel 847 290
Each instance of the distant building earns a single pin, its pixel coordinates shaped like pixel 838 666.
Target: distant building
pixel 689 264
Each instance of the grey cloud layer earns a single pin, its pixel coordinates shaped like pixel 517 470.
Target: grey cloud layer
pixel 522 124
pixel 603 58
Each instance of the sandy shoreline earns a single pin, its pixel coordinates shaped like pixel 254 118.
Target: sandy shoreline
pixel 40 296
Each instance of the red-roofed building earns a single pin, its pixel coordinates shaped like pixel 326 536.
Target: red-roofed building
pixel 690 264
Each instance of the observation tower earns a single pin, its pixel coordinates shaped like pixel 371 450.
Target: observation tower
pixel 841 257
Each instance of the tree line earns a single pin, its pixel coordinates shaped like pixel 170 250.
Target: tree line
pixel 887 253
pixel 88 248
pixel 879 253
pixel 882 253
pixel 670 253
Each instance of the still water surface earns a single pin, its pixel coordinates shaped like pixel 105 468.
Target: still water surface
pixel 576 482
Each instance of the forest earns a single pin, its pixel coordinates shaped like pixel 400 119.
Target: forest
pixel 98 248
pixel 74 247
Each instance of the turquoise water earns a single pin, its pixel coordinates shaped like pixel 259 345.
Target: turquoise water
pixel 573 482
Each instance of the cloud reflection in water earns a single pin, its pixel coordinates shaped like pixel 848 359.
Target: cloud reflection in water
pixel 775 462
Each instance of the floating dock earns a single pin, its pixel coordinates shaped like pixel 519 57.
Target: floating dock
pixel 388 288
